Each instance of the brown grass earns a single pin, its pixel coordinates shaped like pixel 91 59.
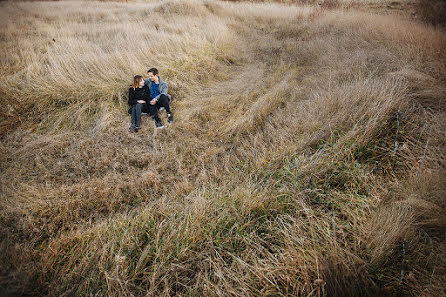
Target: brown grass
pixel 432 11
pixel 279 176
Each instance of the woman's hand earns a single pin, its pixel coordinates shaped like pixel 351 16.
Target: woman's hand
pixel 141 101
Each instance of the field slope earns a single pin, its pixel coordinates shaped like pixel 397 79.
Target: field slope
pixel 307 156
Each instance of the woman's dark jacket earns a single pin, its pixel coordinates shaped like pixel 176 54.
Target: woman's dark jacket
pixel 139 94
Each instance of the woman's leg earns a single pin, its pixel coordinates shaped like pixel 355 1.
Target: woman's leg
pixel 138 108
pixel 133 109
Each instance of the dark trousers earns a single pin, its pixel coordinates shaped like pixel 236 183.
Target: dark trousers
pixel 163 101
pixel 136 115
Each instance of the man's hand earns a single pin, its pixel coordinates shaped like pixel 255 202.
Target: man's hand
pixel 141 101
pixel 153 101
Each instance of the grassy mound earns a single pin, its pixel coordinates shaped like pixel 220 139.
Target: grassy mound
pixel 306 157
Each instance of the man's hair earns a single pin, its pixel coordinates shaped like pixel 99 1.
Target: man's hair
pixel 153 70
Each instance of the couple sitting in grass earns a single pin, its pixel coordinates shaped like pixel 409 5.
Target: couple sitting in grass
pixel 148 96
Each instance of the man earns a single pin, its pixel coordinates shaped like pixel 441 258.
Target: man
pixel 160 98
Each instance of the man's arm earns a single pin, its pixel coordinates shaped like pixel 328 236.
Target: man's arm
pixel 163 90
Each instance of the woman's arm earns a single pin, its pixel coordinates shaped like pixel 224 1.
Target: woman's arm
pixel 147 95
pixel 132 99
pixel 142 96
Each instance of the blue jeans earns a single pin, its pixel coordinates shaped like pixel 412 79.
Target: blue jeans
pixel 136 115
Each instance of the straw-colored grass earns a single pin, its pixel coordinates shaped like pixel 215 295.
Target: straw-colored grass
pixel 279 177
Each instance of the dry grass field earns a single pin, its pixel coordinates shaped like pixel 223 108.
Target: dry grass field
pixel 307 156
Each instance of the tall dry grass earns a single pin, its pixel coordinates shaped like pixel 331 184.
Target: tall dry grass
pixel 280 175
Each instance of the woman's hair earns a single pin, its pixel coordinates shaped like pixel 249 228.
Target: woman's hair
pixel 136 80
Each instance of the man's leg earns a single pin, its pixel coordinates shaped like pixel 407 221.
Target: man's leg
pixel 145 108
pixel 153 110
pixel 164 102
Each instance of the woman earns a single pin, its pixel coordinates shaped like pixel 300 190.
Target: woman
pixel 139 94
